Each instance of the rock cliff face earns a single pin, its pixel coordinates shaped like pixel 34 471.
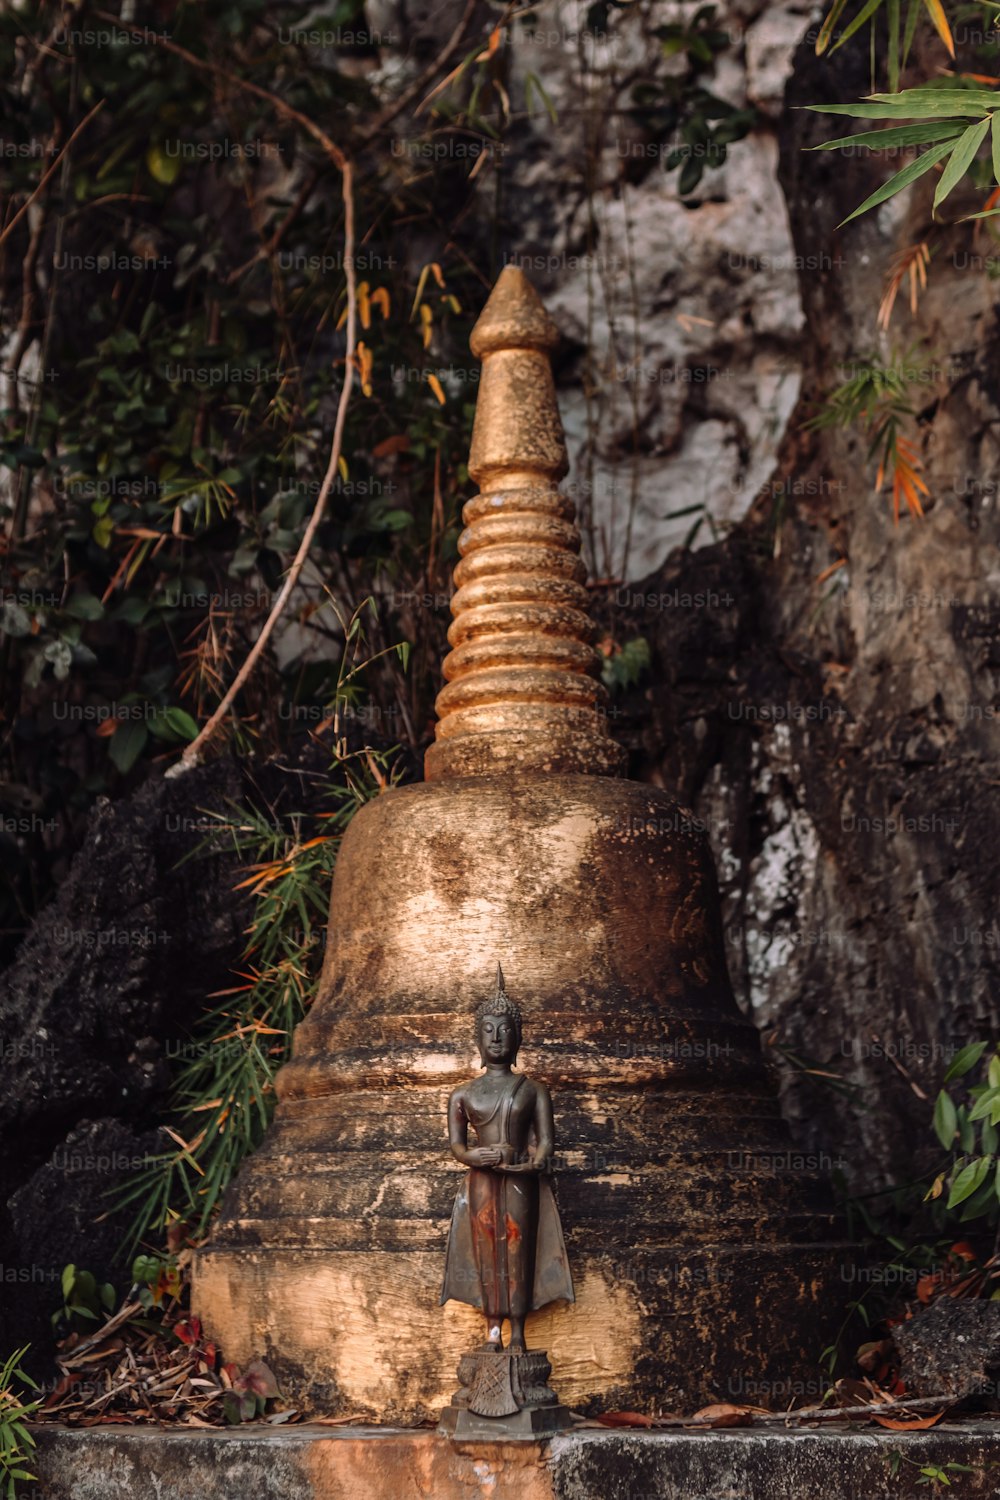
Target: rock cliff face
pixel 684 323
pixel 838 731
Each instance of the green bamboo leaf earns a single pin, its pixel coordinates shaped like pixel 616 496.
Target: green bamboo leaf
pixel 901 180
pixel 961 159
pixel 986 1101
pixel 862 16
pixel 949 92
pixel 922 103
pixel 965 1060
pixel 896 135
pixel 995 142
pixel 826 30
pixel 937 107
pixel 912 17
pixel 945 1119
pixel 968 1181
pixel 892 19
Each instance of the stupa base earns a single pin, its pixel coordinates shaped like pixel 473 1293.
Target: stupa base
pixel 672 1332
pixel 702 1245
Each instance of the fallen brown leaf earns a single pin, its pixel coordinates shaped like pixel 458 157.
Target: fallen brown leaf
pixel 624 1419
pixel 909 1424
pixel 724 1414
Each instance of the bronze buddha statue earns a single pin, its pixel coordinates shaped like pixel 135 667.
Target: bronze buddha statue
pixel 506 1253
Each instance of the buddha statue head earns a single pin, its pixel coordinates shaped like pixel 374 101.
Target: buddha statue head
pixel 498 1027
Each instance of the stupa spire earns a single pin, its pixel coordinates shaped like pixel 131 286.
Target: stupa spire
pixel 522 688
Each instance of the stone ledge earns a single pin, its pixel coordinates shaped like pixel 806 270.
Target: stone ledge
pixel 327 1463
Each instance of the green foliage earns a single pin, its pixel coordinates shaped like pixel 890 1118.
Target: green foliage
pixel 920 1219
pixel 689 126
pixel 181 278
pixel 15 1439
pixel 944 107
pixel 158 1278
pixel 966 1125
pixel 876 397
pixel 938 1476
pixel 83 1300
pixel 223 1093
pixel 624 665
pixel 923 1224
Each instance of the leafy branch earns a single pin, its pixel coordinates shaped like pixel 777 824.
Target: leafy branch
pixel 15 1438
pixel 876 398
pixel 223 1095
pixel 940 113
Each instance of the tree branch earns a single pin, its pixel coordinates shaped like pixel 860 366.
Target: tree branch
pixel 194 752
pixel 8 229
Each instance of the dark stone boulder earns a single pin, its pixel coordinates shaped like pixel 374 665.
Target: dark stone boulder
pixel 113 971
pixel 953 1346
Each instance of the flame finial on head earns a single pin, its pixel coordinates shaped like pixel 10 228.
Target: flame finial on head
pixel 499 1004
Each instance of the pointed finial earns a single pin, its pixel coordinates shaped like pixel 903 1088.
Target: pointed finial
pixel 514 318
pixel 499 1004
pixel 517 424
pixel 522 691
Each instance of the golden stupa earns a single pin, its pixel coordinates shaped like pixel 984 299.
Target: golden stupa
pixel 699 1252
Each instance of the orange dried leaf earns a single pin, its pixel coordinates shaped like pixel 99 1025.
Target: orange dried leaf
pixel 909 1424
pixel 625 1419
pixel 936 12
pixel 398 443
pixel 833 568
pixel 725 1414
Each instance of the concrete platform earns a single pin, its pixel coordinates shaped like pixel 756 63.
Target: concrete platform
pixel 324 1463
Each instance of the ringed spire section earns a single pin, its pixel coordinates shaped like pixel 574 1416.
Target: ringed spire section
pixel 523 689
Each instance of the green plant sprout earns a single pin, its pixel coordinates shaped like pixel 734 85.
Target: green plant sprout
pixel 222 1097
pixel 15 1439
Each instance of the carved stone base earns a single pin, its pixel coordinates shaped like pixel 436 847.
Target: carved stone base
pixel 503 1395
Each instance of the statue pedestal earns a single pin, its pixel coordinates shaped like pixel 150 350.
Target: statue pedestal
pixel 503 1395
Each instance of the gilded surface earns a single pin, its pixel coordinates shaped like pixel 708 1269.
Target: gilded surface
pixel 700 1246
pixel 523 690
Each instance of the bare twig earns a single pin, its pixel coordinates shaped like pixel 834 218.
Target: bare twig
pixel 288 111
pixel 811 1414
pixel 193 754
pixel 8 229
pixel 416 88
pixel 129 1310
